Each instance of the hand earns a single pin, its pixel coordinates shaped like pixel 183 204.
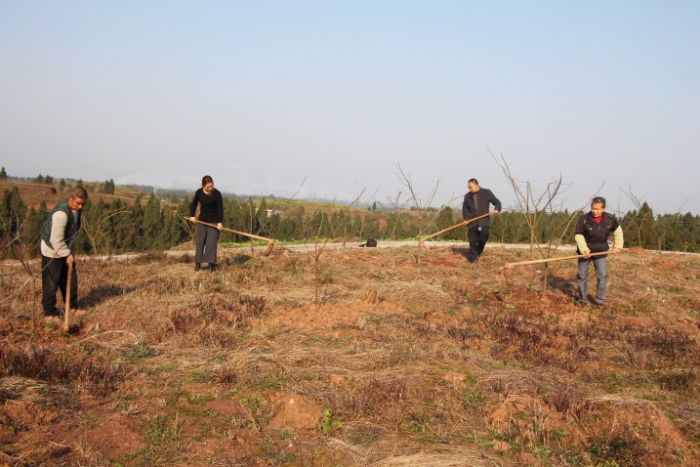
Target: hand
pixel 587 254
pixel 616 251
pixel 495 211
pixel 219 226
pixel 192 219
pixel 70 260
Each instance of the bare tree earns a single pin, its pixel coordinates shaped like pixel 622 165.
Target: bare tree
pixel 534 206
pixel 419 204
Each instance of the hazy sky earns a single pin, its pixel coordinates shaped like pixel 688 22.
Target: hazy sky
pixel 264 94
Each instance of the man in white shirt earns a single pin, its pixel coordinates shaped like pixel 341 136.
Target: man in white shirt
pixel 58 236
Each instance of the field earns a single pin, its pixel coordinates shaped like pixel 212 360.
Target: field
pixel 33 194
pixel 364 357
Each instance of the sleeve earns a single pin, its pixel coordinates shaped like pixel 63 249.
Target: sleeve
pixel 193 206
pixel 579 238
pixel 465 208
pixel 619 242
pixel 495 201
pixel 220 207
pixel 58 234
pixel 581 243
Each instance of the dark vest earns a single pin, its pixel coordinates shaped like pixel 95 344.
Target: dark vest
pixel 596 235
pixel 72 226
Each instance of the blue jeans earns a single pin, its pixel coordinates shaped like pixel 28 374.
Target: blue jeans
pixel 601 271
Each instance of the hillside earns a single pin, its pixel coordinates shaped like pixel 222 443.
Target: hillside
pixel 362 358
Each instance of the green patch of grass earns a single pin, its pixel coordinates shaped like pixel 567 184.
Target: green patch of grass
pixel 139 351
pixel 269 382
pixel 472 397
pixel 615 382
pixel 541 451
pixel 155 371
pixel 199 399
pixel 329 423
pixel 485 443
pixel 203 375
pixel 162 436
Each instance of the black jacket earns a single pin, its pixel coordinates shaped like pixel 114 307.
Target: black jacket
pixel 596 235
pixel 477 204
pixel 211 207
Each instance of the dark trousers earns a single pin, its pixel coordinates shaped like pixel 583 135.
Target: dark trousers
pixel 54 276
pixel 478 236
pixel 206 241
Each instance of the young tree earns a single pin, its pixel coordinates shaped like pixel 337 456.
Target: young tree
pixel 12 217
pixel 3 173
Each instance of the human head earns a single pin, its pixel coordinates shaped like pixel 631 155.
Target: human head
pixel 78 198
pixel 207 183
pixel 598 206
pixel 473 185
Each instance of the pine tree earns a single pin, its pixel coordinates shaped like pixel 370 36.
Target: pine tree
pixel 3 174
pixel 444 219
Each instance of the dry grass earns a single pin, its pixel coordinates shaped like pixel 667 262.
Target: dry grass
pixel 392 363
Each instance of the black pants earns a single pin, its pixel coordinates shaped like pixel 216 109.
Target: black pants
pixel 54 276
pixel 478 236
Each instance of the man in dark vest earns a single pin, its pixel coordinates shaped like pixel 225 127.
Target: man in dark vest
pixel 592 232
pixel 477 203
pixel 58 236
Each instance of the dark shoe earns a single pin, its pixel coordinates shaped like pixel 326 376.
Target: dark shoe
pixel 197 266
pixel 212 267
pixel 54 313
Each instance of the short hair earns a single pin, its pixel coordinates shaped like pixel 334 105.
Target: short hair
pixel 598 200
pixel 473 180
pixel 79 192
pixel 207 179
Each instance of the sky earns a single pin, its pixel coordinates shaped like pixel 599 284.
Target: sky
pixel 332 96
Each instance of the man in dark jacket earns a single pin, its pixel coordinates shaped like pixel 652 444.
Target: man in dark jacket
pixel 476 203
pixel 592 232
pixel 58 236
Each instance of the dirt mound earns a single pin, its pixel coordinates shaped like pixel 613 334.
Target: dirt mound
pixel 115 438
pixel 328 319
pixel 466 459
pixel 224 407
pixel 294 411
pixel 523 412
pixel 634 432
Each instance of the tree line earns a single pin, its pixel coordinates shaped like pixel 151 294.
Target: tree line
pixel 153 223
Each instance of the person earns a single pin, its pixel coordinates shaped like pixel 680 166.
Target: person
pixel 476 203
pixel 591 236
pixel 58 235
pixel 211 210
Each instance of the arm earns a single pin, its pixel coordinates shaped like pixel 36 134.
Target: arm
pixel 580 239
pixel 58 234
pixel 495 201
pixel 619 237
pixel 465 209
pixel 581 244
pixel 193 205
pixel 220 208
